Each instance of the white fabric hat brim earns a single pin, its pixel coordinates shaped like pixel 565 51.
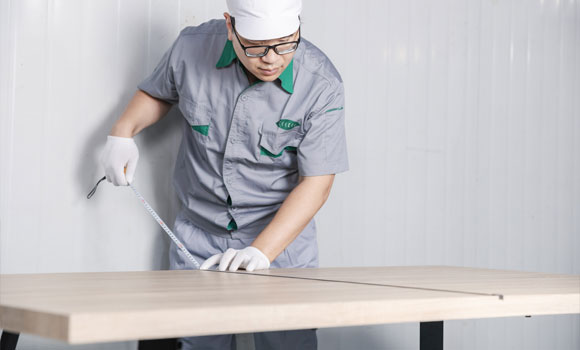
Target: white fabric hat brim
pixel 266 29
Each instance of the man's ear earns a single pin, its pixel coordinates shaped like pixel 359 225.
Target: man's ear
pixel 228 25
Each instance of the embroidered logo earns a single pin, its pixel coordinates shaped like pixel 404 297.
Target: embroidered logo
pixel 287 124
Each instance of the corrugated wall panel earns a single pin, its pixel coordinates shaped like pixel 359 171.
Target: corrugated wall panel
pixel 463 124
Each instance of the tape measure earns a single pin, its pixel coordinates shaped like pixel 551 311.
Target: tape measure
pixel 157 218
pixel 164 227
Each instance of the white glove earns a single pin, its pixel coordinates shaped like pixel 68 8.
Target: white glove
pixel 249 258
pixel 120 152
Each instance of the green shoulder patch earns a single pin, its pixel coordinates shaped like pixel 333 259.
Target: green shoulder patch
pixel 334 109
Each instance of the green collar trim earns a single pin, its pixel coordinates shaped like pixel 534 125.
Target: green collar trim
pixel 286 78
pixel 228 55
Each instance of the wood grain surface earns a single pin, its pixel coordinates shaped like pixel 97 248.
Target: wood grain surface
pixel 115 306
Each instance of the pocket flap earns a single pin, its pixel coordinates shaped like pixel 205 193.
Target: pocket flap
pixel 273 144
pixel 197 115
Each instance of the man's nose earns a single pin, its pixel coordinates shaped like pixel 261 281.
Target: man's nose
pixel 270 57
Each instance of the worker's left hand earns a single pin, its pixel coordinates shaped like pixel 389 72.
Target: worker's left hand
pixel 249 258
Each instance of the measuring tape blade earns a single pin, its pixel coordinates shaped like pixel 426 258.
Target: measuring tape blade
pixel 165 228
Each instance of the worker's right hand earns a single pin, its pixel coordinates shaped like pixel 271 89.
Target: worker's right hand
pixel 120 152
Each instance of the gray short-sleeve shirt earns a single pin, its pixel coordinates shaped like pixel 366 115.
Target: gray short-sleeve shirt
pixel 244 147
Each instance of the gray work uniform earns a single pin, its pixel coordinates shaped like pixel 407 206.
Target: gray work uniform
pixel 244 147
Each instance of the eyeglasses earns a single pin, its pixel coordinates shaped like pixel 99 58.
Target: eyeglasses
pixel 262 50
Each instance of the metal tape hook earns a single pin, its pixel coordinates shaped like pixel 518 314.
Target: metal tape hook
pixel 95 188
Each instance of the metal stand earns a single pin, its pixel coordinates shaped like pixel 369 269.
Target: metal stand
pixel 157 344
pixel 8 340
pixel 431 335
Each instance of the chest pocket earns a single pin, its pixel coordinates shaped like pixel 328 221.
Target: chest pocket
pixel 279 146
pixel 199 119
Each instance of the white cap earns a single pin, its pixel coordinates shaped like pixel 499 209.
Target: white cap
pixel 265 19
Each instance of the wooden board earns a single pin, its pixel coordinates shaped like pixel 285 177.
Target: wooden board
pixel 116 306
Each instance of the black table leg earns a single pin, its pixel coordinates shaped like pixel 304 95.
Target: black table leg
pixel 431 335
pixel 158 344
pixel 8 340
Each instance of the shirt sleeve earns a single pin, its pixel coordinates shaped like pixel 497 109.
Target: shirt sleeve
pixel 323 151
pixel 161 83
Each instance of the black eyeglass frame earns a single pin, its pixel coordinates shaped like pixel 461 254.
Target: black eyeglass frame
pixel 266 47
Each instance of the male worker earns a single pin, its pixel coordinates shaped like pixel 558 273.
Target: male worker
pixel 263 136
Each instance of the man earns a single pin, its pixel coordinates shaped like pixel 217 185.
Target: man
pixel 263 136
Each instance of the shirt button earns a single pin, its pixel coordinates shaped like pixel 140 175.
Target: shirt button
pixel 244 98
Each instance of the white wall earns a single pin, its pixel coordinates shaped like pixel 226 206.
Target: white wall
pixel 463 123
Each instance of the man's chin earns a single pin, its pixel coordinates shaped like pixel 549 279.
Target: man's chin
pixel 267 77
